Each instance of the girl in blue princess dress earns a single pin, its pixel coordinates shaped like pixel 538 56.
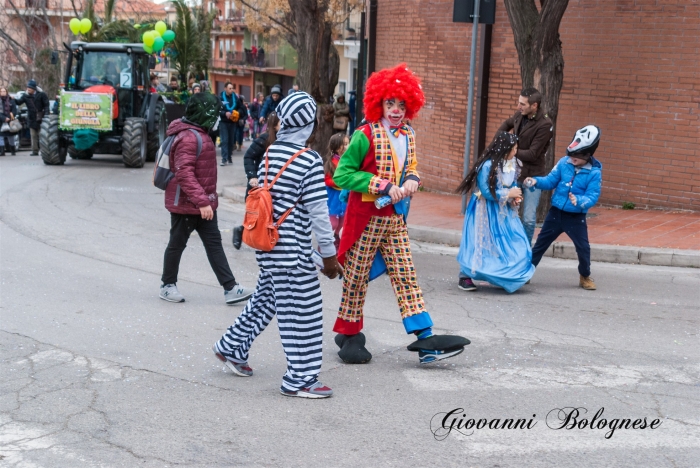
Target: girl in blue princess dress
pixel 494 245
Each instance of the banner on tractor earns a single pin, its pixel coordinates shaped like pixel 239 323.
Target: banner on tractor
pixel 85 110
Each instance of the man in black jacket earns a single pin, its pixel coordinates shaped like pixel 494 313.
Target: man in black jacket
pixel 228 129
pixel 37 103
pixel 534 130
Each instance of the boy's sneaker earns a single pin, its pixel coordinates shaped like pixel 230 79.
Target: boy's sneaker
pixel 169 292
pixel 586 282
pixel 317 390
pixel 241 370
pixel 428 356
pixel 466 284
pixel 237 294
pixel 223 163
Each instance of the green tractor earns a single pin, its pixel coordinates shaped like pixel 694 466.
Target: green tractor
pixel 106 96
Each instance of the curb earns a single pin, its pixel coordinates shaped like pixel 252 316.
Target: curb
pixel 566 250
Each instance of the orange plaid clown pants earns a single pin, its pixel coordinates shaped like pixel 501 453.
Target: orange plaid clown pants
pixel 389 234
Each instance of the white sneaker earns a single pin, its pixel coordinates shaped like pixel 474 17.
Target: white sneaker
pixel 237 294
pixel 169 292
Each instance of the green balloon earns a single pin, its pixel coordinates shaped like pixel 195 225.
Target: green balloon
pixel 169 36
pixel 147 49
pixel 158 44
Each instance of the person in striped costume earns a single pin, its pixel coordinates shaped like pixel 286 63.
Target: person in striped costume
pixel 381 162
pixel 288 285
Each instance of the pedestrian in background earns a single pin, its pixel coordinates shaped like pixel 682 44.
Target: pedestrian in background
pixel 192 201
pixel 352 102
pixel 251 163
pixel 254 113
pixel 576 181
pixel 37 103
pixel 341 114
pixel 494 245
pixel 534 131
pixel 336 204
pixel 271 102
pixel 228 127
pixel 242 119
pixel 8 113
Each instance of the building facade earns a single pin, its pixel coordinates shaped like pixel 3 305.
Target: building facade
pixel 631 68
pixel 251 62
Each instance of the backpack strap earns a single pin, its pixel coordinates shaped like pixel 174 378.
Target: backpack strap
pixel 267 164
pixel 269 186
pixel 199 142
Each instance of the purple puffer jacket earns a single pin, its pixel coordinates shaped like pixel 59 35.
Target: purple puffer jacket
pixel 194 184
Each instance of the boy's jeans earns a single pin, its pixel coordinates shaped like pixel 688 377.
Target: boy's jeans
pixel 531 198
pixel 574 225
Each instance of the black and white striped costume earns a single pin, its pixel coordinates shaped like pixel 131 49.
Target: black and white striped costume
pixel 288 285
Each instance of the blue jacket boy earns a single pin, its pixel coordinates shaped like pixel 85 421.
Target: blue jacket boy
pixel 576 183
pixel 565 180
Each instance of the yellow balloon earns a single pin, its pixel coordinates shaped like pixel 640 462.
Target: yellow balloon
pixel 161 28
pixel 155 34
pixel 85 25
pixel 148 39
pixel 74 26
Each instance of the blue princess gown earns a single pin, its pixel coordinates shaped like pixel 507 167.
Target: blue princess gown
pixel 494 245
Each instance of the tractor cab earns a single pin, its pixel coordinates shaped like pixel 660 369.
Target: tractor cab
pixel 106 106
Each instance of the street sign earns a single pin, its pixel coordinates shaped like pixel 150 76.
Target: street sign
pixel 464 10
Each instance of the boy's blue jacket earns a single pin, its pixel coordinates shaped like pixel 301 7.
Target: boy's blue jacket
pixel 563 179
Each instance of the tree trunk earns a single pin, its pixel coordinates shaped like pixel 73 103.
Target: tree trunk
pixel 536 35
pixel 318 62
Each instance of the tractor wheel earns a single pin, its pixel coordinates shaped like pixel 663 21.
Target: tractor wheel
pixel 49 142
pixel 75 154
pixel 156 137
pixel 134 142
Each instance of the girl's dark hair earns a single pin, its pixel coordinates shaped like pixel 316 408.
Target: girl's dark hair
pixel 334 144
pixel 272 121
pixel 497 151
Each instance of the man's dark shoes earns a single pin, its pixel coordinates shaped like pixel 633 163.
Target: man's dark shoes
pixel 237 237
pixel 352 349
pixel 438 347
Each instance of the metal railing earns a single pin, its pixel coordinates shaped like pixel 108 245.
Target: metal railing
pixel 247 59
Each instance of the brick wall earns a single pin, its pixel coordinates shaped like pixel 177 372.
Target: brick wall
pixel 631 67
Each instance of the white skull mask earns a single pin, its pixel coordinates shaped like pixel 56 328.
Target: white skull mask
pixel 585 141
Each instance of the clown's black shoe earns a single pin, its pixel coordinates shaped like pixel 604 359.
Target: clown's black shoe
pixel 438 347
pixel 352 349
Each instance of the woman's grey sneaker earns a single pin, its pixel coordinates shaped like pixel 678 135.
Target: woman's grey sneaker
pixel 241 370
pixel 237 294
pixel 317 390
pixel 169 292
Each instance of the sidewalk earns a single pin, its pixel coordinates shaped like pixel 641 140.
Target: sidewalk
pixel 649 237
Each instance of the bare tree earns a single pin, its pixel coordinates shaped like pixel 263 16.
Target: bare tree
pixel 536 34
pixel 309 27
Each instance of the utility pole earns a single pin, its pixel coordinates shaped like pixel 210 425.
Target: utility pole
pixel 470 100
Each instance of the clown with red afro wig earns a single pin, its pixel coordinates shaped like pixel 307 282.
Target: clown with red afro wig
pixel 379 170
pixel 398 83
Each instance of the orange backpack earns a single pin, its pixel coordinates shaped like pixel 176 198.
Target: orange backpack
pixel 259 226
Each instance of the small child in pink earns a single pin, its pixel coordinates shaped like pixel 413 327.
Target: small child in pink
pixel 336 204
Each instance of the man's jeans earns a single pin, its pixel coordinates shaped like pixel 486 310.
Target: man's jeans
pixel 227 133
pixel 531 198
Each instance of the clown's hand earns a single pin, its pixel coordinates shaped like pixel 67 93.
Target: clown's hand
pixel 572 199
pixel 411 187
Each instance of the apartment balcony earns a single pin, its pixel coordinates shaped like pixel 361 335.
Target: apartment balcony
pixel 245 60
pixel 35 7
pixel 233 22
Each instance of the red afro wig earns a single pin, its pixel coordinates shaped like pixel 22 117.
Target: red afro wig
pixel 399 83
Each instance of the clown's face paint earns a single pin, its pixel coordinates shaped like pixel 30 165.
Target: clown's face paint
pixel 394 111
